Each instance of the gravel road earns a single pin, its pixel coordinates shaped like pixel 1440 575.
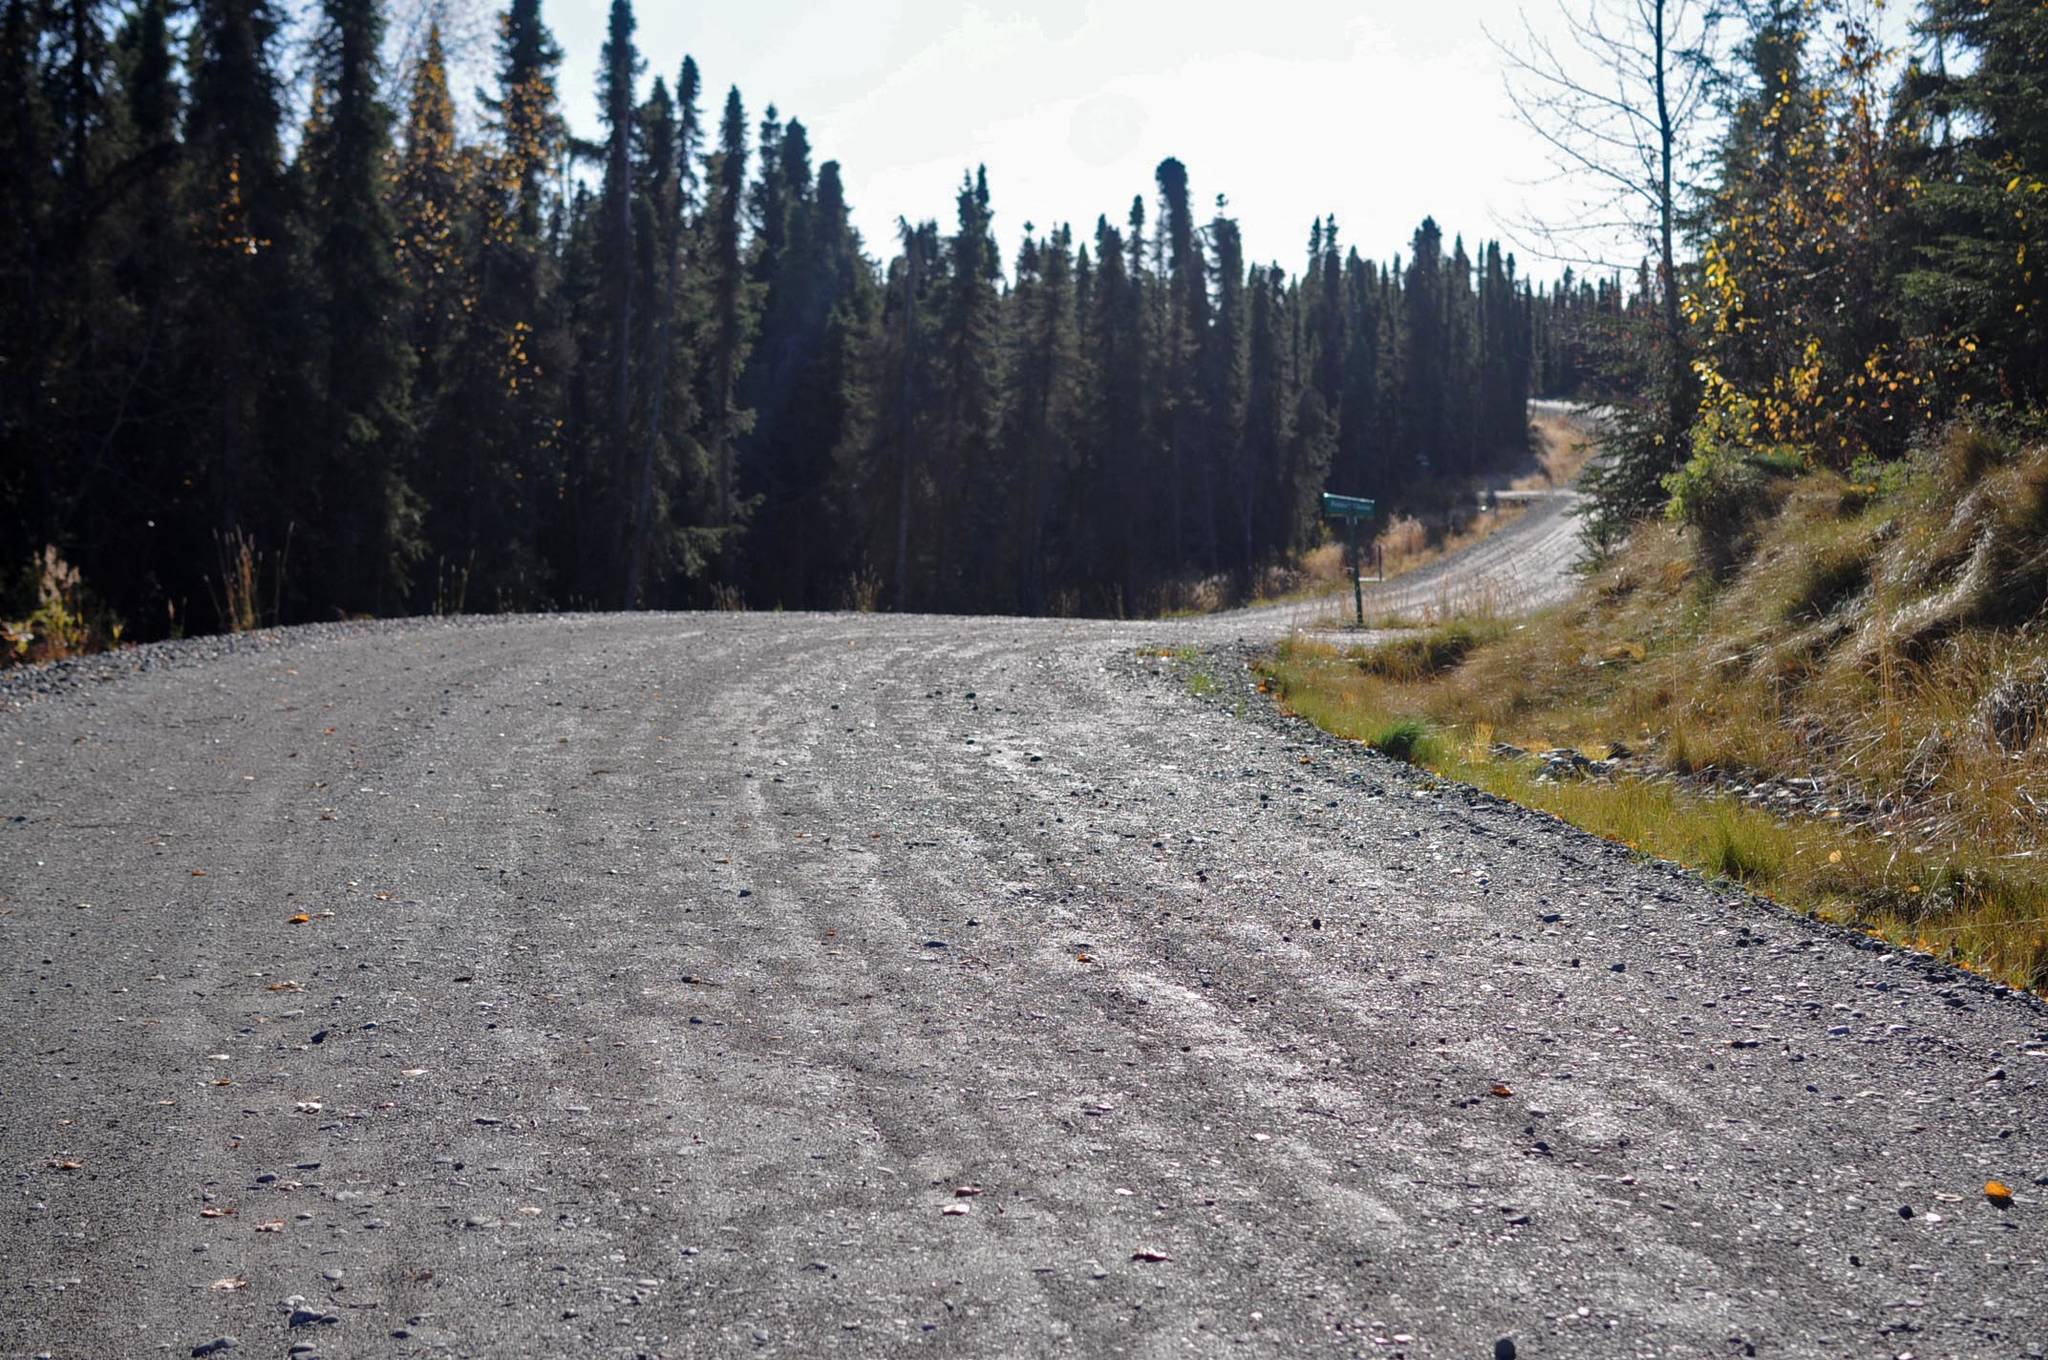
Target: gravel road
pixel 878 986
pixel 1525 565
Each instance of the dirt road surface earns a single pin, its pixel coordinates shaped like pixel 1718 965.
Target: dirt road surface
pixel 881 986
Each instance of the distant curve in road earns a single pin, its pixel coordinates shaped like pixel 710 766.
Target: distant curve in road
pixel 799 985
pixel 1527 564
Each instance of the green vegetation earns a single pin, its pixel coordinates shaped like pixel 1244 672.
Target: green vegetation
pixel 1870 230
pixel 1887 643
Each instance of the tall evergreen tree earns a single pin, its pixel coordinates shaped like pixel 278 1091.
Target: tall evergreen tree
pixel 1224 384
pixel 368 509
pixel 1977 279
pixel 435 253
pixel 528 122
pixel 239 332
pixel 1426 393
pixel 963 456
pixel 611 450
pixel 730 330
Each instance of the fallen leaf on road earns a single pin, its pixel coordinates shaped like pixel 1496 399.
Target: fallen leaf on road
pixel 1147 1254
pixel 275 1225
pixel 199 873
pixel 1998 1192
pixel 298 920
pixel 231 1282
pixel 284 987
pixel 1503 1090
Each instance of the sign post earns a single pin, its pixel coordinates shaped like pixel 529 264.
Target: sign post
pixel 1352 509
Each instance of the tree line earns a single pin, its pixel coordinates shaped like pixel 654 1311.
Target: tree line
pixel 1847 222
pixel 366 364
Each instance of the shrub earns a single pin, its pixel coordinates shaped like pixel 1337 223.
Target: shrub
pixel 1718 495
pixel 63 623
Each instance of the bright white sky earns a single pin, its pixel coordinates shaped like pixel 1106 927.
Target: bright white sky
pixel 1377 112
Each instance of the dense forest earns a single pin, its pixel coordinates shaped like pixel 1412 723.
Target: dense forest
pixel 365 365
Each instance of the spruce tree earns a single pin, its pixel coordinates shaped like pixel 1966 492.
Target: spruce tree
pixel 1184 415
pixel 369 512
pixel 731 324
pixel 243 326
pixel 1265 497
pixel 612 452
pixel 1426 393
pixel 528 122
pixel 970 479
pixel 1977 274
pixel 1038 437
pixel 1224 382
pixel 433 201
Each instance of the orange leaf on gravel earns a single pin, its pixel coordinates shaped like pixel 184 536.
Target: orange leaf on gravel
pixel 298 920
pixel 1998 1192
pixel 1503 1090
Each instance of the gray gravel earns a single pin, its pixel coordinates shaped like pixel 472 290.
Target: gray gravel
pixel 672 983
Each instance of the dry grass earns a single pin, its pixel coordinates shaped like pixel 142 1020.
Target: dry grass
pixel 1894 645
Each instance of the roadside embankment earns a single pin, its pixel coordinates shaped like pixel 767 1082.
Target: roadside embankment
pixel 1842 702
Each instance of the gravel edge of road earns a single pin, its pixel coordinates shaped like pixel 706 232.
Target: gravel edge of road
pixel 1231 667
pixel 21 686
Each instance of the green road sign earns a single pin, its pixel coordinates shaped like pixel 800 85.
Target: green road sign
pixel 1352 509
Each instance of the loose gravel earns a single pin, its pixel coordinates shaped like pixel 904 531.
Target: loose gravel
pixel 665 985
